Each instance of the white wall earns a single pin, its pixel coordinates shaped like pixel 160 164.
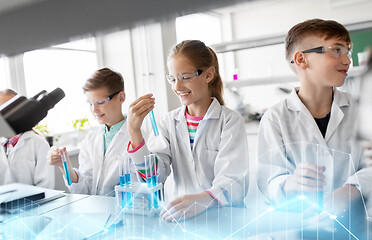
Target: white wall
pixel 115 52
pixel 277 17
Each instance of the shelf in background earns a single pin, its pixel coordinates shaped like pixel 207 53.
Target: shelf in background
pixel 353 72
pixel 260 81
pixel 262 41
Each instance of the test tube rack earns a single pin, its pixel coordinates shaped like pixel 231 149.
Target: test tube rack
pixel 141 194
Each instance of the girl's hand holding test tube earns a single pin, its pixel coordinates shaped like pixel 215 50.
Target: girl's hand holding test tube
pixel 138 110
pixel 56 157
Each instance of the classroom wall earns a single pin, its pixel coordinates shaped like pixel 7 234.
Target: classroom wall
pixel 277 17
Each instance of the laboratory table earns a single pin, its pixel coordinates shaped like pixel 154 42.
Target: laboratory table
pixel 98 217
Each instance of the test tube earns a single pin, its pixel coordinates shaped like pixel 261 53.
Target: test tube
pixel 127 180
pixel 153 123
pixel 122 179
pixel 148 177
pixel 65 168
pixel 154 179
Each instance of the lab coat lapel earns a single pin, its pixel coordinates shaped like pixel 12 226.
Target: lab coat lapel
pixel 121 131
pixel 181 128
pixel 213 112
pixel 99 156
pixel 336 113
pixel 305 117
pixel 5 174
pixel 20 144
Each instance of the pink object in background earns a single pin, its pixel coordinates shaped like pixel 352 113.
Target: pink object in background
pixel 235 76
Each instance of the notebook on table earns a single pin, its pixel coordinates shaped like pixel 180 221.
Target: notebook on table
pixel 21 196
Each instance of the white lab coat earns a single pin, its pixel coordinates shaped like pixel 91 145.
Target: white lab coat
pixel 26 162
pixel 98 171
pixel 217 163
pixel 288 135
pixel 5 177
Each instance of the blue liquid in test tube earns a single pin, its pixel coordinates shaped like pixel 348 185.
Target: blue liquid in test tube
pixel 153 123
pixel 122 183
pixel 148 177
pixel 127 181
pixel 122 179
pixel 155 180
pixel 65 168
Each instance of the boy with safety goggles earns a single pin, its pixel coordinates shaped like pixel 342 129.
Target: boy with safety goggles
pixel 306 144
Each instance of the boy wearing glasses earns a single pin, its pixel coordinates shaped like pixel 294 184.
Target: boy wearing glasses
pixel 306 144
pixel 98 158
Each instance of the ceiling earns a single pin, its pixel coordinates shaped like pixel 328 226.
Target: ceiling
pixel 11 5
pixel 32 24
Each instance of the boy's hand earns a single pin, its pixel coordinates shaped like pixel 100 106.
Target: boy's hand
pixel 307 177
pixel 137 112
pixel 187 206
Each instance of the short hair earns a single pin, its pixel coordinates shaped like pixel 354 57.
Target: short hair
pixel 324 28
pixel 105 77
pixel 9 92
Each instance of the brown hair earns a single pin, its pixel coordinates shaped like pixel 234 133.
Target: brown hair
pixel 201 57
pixel 325 28
pixel 105 77
pixel 9 92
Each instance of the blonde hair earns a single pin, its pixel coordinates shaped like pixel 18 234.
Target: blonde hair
pixel 201 57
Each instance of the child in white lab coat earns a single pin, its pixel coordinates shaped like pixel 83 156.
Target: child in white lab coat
pixel 306 144
pixel 98 158
pixel 23 157
pixel 203 142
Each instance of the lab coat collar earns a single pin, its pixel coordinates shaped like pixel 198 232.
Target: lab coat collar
pixel 122 130
pixel 22 139
pixel 340 100
pixel 181 126
pixel 213 112
pixel 294 103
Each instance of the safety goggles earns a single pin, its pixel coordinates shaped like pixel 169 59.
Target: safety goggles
pixel 184 77
pixel 102 101
pixel 336 51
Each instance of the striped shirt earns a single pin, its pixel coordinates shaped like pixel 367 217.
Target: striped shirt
pixel 192 125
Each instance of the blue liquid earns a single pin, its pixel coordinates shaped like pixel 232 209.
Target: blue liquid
pixel 153 123
pixel 122 181
pixel 156 194
pixel 148 181
pixel 123 196
pixel 319 199
pixel 129 194
pixel 127 179
pixel 68 178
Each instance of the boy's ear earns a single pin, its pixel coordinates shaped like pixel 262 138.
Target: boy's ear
pixel 300 60
pixel 210 74
pixel 122 96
